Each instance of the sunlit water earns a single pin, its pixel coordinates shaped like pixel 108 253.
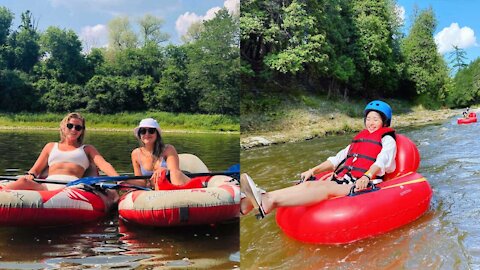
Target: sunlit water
pixel 107 243
pixel 446 237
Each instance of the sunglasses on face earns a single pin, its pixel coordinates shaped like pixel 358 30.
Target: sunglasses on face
pixel 143 131
pixel 77 127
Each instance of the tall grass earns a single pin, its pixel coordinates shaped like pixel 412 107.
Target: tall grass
pixel 168 121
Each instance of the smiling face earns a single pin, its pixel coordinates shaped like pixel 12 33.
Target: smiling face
pixel 148 135
pixel 71 129
pixel 373 121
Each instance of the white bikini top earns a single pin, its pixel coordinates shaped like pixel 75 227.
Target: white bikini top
pixel 77 156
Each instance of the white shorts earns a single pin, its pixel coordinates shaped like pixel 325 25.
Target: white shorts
pixel 60 177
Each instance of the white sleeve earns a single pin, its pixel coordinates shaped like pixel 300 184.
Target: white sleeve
pixel 386 157
pixel 339 157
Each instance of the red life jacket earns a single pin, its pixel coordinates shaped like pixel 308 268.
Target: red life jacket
pixel 363 152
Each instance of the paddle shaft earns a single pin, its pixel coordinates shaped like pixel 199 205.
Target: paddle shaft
pixel 211 174
pixel 46 181
pixel 63 182
pixel 98 179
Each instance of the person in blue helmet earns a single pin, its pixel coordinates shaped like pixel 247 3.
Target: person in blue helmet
pixel 367 158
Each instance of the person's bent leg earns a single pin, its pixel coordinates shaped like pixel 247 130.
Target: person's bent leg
pixel 23 184
pixel 177 177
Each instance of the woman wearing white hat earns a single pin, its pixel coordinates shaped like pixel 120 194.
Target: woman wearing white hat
pixel 153 156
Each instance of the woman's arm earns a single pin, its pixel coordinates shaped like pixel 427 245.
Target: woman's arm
pixel 135 163
pixel 328 165
pixel 98 160
pixel 137 171
pixel 386 158
pixel 41 162
pixel 177 177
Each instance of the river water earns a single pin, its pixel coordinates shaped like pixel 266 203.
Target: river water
pixel 445 237
pixel 107 243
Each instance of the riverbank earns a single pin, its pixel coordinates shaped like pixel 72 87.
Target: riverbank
pixel 306 118
pixel 169 122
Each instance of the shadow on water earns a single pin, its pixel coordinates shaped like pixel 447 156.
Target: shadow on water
pixel 108 243
pixel 446 237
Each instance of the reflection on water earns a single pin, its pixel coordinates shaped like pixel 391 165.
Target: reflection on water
pixel 446 237
pixel 109 244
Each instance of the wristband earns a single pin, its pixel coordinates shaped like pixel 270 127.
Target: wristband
pixel 32 174
pixel 369 178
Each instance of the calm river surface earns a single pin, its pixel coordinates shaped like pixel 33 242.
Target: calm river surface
pixel 446 237
pixel 108 244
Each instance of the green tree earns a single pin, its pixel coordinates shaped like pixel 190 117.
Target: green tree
pixel 6 18
pixel 120 34
pixel 466 89
pixel 62 97
pixel 171 93
pixel 16 92
pixel 64 60
pixel 304 43
pixel 112 94
pixel 150 30
pixel 457 58
pixel 25 44
pixel 193 32
pixel 426 69
pixel 214 64
pixel 375 25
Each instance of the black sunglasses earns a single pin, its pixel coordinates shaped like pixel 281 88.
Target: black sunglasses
pixel 77 127
pixel 142 131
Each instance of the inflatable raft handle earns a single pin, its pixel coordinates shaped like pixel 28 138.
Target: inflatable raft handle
pixel 370 184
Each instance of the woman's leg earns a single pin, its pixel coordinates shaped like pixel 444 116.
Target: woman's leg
pixel 23 184
pixel 306 193
pixel 177 177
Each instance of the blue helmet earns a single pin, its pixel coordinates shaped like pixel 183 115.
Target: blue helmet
pixel 381 107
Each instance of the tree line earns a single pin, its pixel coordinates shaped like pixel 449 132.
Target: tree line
pixel 49 71
pixel 348 48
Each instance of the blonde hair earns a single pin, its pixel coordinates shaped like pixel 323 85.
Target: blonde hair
pixel 64 122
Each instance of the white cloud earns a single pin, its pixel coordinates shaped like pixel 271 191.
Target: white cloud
pixel 211 13
pixel 184 21
pixel 94 36
pixel 233 6
pixel 400 12
pixel 188 18
pixel 454 35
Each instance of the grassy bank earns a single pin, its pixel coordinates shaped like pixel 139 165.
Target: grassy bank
pixel 126 121
pixel 281 118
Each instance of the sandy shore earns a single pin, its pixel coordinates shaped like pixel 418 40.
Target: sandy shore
pixel 308 124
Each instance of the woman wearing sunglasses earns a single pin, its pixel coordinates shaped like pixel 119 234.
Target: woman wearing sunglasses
pixel 66 160
pixel 153 156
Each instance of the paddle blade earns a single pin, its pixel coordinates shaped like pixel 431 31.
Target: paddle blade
pixel 235 168
pixel 97 179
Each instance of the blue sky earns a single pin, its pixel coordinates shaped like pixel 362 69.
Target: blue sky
pixel 88 18
pixel 457 23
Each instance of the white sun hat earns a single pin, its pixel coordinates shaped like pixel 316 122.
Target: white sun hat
pixel 147 123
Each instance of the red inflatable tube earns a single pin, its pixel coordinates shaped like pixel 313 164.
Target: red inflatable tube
pixel 346 219
pixel 65 206
pixel 467 120
pixel 205 200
